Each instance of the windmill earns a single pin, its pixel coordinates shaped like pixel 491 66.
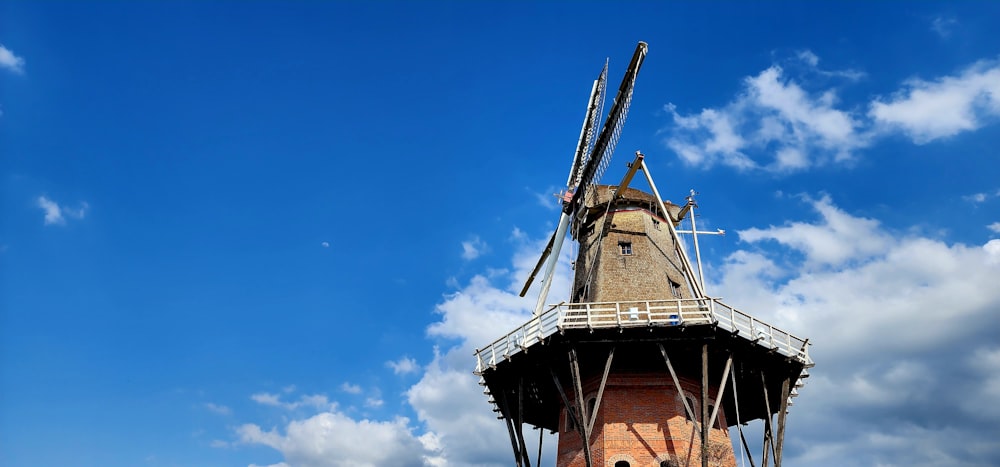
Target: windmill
pixel 590 161
pixel 641 367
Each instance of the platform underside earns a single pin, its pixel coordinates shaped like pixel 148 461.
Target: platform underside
pixel 757 369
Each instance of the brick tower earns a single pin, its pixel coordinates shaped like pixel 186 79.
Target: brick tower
pixel 640 368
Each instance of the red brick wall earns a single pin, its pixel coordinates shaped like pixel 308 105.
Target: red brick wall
pixel 641 420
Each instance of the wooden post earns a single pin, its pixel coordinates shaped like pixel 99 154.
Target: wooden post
pixel 704 405
pixel 721 392
pixel 677 384
pixel 739 425
pixel 600 393
pixel 780 442
pixel 767 422
pixel 505 411
pixel 574 366
pixel 520 423
pixel 541 435
pixel 565 399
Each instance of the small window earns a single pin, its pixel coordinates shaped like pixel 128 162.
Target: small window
pixel 622 464
pixel 656 224
pixel 675 289
pixel 669 463
pixel 626 247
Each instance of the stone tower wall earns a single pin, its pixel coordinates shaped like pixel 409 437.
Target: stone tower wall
pixel 626 252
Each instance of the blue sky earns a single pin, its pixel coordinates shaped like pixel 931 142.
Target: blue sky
pixel 250 233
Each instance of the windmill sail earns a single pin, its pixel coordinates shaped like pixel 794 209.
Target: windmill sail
pixel 591 165
pixel 584 149
pixel 604 147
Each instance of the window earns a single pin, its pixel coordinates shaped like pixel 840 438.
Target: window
pixel 669 463
pixel 694 408
pixel 622 464
pixel 626 247
pixel 656 224
pixel 570 426
pixel 675 288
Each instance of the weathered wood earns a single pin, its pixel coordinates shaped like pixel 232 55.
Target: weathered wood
pixel 600 393
pixel 519 428
pixel 722 390
pixel 746 447
pixel 767 422
pixel 677 384
pixel 574 366
pixel 505 408
pixel 739 423
pixel 704 405
pixel 565 398
pixel 780 442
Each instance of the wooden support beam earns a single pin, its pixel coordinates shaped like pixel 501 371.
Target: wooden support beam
pixel 541 435
pixel 704 405
pixel 677 384
pixel 779 443
pixel 767 422
pixel 600 393
pixel 519 428
pixel 565 399
pixel 722 390
pixel 739 423
pixel 505 411
pixel 581 404
pixel 767 444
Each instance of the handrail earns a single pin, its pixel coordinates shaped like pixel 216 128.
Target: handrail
pixel 641 313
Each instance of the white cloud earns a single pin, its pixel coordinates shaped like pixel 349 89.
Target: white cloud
pixel 217 408
pixel 332 439
pixel 10 61
pixel 943 26
pixel 456 424
pixel 994 227
pixel 943 107
pixel 808 57
pixel 350 388
pixel 992 250
pixel 57 215
pixel 773 115
pixel 403 366
pixel 316 401
pixel 220 444
pixel 325 244
pixel 893 321
pixel 473 248
pixel 838 238
pixel 976 197
pixel 781 124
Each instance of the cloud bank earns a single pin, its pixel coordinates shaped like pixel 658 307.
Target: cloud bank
pixel 779 124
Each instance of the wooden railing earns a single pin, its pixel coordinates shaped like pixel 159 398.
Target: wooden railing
pixel 645 313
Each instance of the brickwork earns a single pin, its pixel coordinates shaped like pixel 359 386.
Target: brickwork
pixel 627 254
pixel 642 420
